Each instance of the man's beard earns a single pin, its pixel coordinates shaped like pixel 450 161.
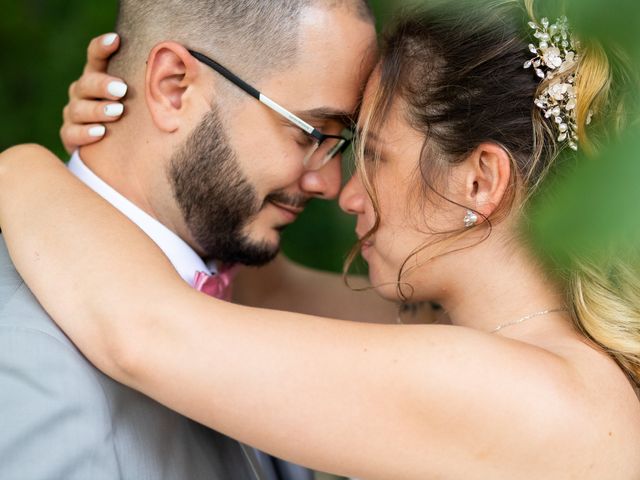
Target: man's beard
pixel 216 199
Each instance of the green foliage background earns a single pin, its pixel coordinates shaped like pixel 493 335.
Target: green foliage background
pixel 43 51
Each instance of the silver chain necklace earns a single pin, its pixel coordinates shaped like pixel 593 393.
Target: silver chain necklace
pixel 527 317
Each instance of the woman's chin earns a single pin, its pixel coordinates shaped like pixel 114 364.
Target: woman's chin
pixel 388 292
pixel 385 286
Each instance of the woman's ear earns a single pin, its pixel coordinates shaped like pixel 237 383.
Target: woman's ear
pixel 486 177
pixel 171 75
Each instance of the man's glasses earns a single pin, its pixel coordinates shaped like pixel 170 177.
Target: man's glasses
pixel 321 147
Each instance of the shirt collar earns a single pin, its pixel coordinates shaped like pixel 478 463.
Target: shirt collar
pixel 184 259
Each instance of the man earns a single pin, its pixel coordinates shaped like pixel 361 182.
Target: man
pixel 212 175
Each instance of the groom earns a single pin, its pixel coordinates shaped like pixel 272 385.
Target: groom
pixel 212 171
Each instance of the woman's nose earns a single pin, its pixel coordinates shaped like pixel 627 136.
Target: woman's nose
pixel 352 198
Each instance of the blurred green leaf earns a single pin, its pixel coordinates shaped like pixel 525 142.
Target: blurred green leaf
pixel 591 207
pixel 612 22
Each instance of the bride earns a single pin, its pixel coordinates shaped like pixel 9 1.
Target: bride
pixel 461 122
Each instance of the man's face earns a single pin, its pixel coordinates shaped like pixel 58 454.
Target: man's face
pixel 239 178
pixel 216 199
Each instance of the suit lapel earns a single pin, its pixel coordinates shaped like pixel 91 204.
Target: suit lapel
pixel 254 463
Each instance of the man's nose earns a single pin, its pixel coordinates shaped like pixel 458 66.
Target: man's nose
pixel 323 183
pixel 352 198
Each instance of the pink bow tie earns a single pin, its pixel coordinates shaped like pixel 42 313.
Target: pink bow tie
pixel 218 286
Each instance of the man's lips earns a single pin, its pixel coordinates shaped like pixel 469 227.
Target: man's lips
pixel 295 211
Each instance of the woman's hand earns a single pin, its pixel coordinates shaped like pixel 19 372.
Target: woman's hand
pixel 95 98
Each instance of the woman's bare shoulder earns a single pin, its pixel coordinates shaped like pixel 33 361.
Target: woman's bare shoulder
pixel 607 407
pixel 17 160
pixel 26 150
pixel 552 407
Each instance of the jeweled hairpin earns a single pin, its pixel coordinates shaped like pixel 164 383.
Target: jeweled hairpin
pixel 555 62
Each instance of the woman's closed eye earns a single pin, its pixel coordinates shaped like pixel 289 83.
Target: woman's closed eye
pixel 371 154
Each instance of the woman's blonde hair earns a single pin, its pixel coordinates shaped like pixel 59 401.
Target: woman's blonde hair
pixel 459 71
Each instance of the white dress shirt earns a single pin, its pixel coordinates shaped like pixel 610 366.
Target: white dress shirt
pixel 184 259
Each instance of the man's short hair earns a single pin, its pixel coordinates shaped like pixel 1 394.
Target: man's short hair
pixel 253 37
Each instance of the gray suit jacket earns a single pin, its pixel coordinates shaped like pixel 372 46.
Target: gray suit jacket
pixel 61 419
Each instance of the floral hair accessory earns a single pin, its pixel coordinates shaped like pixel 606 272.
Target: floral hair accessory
pixel 555 62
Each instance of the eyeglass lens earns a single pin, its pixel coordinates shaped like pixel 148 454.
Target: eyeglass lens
pixel 321 153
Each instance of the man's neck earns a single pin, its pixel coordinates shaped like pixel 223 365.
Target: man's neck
pixel 186 261
pixel 117 168
pixel 126 170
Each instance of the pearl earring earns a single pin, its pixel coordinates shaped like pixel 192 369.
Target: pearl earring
pixel 470 219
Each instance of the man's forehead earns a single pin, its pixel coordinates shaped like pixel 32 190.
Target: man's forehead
pixel 320 95
pixel 336 44
pixel 336 53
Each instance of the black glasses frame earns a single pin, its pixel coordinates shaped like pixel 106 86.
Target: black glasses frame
pixel 317 136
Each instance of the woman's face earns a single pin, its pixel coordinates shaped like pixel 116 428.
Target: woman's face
pixel 406 219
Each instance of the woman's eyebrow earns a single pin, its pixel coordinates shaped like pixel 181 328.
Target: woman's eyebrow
pixel 371 137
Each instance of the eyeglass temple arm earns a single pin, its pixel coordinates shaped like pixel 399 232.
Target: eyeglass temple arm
pixel 227 74
pixel 256 94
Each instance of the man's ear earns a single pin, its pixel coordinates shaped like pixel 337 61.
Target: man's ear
pixel 170 80
pixel 486 177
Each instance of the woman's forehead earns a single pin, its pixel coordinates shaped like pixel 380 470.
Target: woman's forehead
pixel 385 128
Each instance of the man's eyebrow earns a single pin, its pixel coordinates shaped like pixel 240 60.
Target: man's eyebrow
pixel 326 113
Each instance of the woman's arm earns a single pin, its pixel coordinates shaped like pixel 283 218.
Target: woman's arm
pixel 41 207
pixel 374 401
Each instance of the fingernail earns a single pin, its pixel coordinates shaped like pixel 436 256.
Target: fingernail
pixel 108 39
pixel 97 131
pixel 117 89
pixel 113 109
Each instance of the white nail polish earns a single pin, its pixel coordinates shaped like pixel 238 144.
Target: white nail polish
pixel 98 131
pixel 109 38
pixel 117 89
pixel 113 109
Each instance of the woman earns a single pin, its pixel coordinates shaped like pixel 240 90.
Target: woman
pixel 456 136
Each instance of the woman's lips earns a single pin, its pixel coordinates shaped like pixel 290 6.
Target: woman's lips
pixel 365 247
